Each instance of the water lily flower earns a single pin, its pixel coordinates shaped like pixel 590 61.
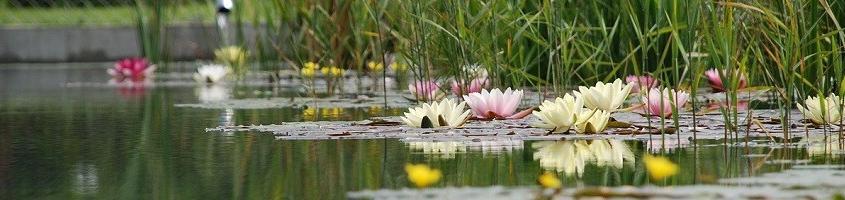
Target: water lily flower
pixel 569 157
pixel 210 73
pixel 716 81
pixel 591 121
pixel 549 180
pixel 495 104
pixel 422 175
pixel 559 115
pixel 476 85
pixel 436 114
pixel 659 167
pixel 812 109
pixel 308 70
pixel 605 96
pixel 375 66
pixel 659 102
pixel 424 90
pixel 641 82
pixel 612 153
pixel 132 68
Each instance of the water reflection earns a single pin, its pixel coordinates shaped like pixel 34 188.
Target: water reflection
pixel 570 157
pixel 444 150
pixel 821 145
pixel 212 93
pixel 85 179
pixel 668 144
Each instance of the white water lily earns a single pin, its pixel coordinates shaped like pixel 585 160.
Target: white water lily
pixel 612 153
pixel 569 157
pixel 211 73
pixel 605 96
pixel 812 109
pixel 592 121
pixel 443 113
pixel 559 115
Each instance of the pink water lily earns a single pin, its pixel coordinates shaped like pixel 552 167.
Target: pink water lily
pixel 495 104
pixel 716 81
pixel 659 103
pixel 476 85
pixel 641 82
pixel 424 90
pixel 132 68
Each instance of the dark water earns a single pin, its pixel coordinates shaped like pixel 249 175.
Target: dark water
pixel 107 143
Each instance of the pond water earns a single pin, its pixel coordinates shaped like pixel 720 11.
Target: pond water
pixel 60 142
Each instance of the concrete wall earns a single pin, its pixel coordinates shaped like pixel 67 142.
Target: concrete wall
pixel 82 44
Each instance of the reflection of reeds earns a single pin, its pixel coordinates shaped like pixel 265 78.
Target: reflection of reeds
pixel 823 146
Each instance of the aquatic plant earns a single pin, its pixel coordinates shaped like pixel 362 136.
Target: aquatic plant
pixel 333 75
pixel 659 167
pixel 559 115
pixel 662 102
pixel 425 90
pixel 422 175
pixel 436 114
pixel 715 80
pixel 211 73
pixel 495 104
pixel 134 69
pixel 235 57
pixel 641 83
pixel 591 121
pixel 308 70
pixel 822 111
pixel 604 96
pixel 549 180
pixel 476 85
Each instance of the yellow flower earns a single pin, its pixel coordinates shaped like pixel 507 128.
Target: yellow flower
pixel 659 167
pixel 549 180
pixel 309 114
pixel 399 67
pixel 311 65
pixel 422 175
pixel 231 55
pixel 332 71
pixel 375 67
pixel 307 72
pixel 337 72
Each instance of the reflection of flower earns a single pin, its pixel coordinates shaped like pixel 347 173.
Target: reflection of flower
pixel 660 102
pixel 659 167
pixel 668 144
pixel 559 115
pixel 422 175
pixel 309 114
pixel 571 157
pixel 715 80
pixel 437 114
pixel 641 82
pixel 442 149
pixel 812 109
pixel 210 73
pixel 494 104
pixel 612 153
pixel 820 145
pixel 592 121
pixel 549 180
pixel 212 93
pixel 424 90
pixel 135 69
pixel 605 96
